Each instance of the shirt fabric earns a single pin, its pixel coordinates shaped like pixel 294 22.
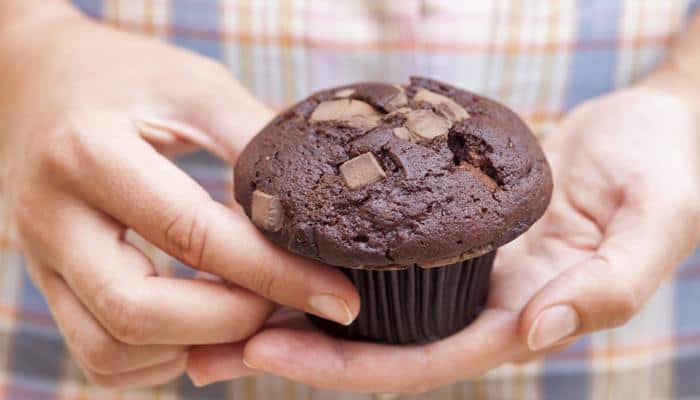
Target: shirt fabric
pixel 540 57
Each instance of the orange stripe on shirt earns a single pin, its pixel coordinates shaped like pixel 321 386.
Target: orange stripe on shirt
pixel 319 43
pixel 691 339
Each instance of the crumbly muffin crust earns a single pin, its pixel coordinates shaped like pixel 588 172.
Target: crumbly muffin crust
pixel 377 176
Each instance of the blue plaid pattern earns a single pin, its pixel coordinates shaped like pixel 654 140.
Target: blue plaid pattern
pixel 584 48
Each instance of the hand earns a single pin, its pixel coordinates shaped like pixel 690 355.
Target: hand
pixel 88 113
pixel 624 213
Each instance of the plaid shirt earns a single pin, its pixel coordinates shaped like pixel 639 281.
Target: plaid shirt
pixel 540 57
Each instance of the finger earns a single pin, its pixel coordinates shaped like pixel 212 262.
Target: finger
pixel 215 111
pixel 530 356
pixel 311 357
pixel 146 377
pixel 118 285
pixel 217 362
pixel 220 362
pixel 171 138
pixel 147 193
pixel 222 116
pixel 94 348
pixel 608 288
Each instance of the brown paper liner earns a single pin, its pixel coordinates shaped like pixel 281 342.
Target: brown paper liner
pixel 415 305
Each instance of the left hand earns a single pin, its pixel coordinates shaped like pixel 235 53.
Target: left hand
pixel 625 212
pixel 88 114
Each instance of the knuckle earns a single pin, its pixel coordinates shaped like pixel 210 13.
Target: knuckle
pixel 124 313
pixel 101 355
pixel 59 154
pixel 105 381
pixel 618 301
pixel 262 282
pixel 24 210
pixel 57 161
pixel 624 304
pixel 31 206
pixel 253 320
pixel 186 236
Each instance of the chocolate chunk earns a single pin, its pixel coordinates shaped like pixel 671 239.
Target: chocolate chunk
pixel 397 116
pixel 361 171
pixel 415 161
pixel 400 110
pixel 444 105
pixel 386 97
pixel 301 239
pixel 402 133
pixel 355 113
pixel 266 211
pixel 437 200
pixel 344 93
pixel 396 102
pixel 426 124
pixel 401 157
pixel 451 113
pixel 369 142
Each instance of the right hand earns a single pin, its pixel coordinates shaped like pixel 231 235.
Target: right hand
pixel 87 114
pixel 625 212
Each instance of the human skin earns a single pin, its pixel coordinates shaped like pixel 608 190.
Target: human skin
pixel 625 212
pixel 88 116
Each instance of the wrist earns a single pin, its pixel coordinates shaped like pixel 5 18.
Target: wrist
pixel 23 25
pixel 27 30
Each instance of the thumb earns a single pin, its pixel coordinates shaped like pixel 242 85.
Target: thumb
pixel 640 247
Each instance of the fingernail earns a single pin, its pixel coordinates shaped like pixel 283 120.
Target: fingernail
pixel 249 365
pixel 331 307
pixel 553 325
pixel 196 382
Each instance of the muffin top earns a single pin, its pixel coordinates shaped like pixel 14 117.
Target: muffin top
pixel 381 176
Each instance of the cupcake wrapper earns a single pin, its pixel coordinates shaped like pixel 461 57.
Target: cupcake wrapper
pixel 415 305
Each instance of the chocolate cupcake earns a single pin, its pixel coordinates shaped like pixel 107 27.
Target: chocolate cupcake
pixel 409 190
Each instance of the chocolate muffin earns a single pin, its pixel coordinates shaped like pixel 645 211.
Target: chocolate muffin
pixel 409 189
